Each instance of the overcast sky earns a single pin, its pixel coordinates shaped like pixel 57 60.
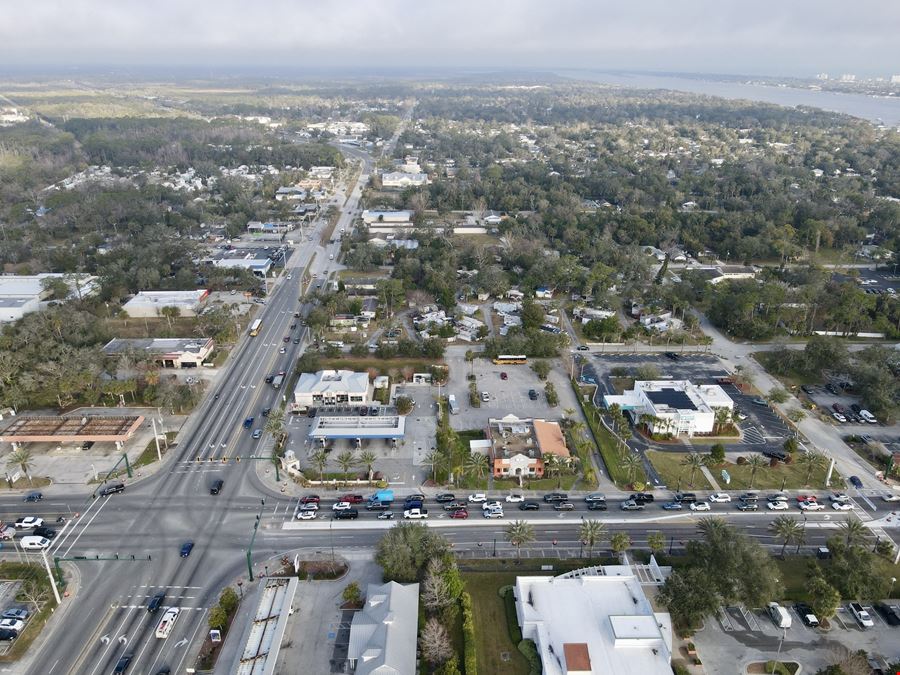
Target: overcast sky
pixel 789 37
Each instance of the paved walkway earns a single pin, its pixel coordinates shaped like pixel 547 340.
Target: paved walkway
pixel 712 481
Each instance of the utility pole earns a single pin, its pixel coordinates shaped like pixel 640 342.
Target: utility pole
pixel 253 538
pixel 52 579
pixel 156 438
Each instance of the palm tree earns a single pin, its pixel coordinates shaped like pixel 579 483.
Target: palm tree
pixel 346 461
pixel 631 463
pixel 722 417
pixel 592 532
pixel 656 541
pixel 21 458
pixel 693 461
pixel 812 461
pixel 755 462
pixel 476 464
pixel 789 530
pixel 713 528
pixel 853 530
pixel 552 464
pixel 275 422
pixel 620 542
pixel 319 459
pixel 519 533
pixel 367 458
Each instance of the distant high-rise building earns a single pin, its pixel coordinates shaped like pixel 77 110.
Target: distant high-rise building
pixel 895 79
pixel 848 78
pixel 822 76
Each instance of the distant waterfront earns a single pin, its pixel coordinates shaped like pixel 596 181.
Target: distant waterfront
pixel 874 109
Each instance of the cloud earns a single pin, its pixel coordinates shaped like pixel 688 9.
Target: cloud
pixel 766 36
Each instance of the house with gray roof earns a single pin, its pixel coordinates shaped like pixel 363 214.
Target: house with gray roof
pixel 383 633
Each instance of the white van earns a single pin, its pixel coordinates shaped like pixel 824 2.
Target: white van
pixel 167 622
pixel 34 543
pixel 779 615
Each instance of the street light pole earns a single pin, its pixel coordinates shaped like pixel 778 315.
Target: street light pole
pixel 495 547
pixel 778 653
pixel 253 538
pixel 52 579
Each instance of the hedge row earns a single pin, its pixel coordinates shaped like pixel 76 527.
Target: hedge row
pixel 470 660
pixel 530 652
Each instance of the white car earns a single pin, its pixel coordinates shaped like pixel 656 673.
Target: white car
pixel 12 624
pixel 477 498
pixel 778 506
pixel 720 497
pixel 487 506
pixel 309 506
pixel 868 417
pixel 700 506
pixel 513 499
pixel 493 513
pixel 842 506
pixel 839 497
pixel 34 543
pixel 167 622
pixel 840 418
pixel 891 498
pixel 307 515
pixel 290 276
pixel 28 523
pixel 342 506
pixel 811 506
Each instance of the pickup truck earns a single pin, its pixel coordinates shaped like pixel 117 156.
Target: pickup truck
pixel 7 531
pixel 415 514
pixel 861 615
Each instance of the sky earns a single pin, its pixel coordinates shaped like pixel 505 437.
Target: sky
pixel 759 37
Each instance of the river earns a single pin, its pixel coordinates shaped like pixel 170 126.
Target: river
pixel 872 108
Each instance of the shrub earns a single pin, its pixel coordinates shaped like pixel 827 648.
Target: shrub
pixel 352 593
pixel 229 600
pixel 404 405
pixel 530 652
pixel 470 658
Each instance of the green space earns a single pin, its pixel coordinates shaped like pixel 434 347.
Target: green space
pixel 25 483
pixel 674 475
pixel 495 624
pixel 148 456
pixel 35 592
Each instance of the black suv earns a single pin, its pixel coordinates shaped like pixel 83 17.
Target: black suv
pixel 596 506
pixel 46 532
pixel 156 602
pixel 112 489
pixel 123 664
pixel 530 505
pixel 348 514
pixel 686 497
pixel 216 487
pixel 445 497
pixel 774 453
pixel 641 498
pixel 556 497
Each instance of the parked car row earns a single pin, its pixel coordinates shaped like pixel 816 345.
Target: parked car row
pixel 12 622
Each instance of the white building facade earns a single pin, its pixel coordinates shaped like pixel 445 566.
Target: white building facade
pixel 331 387
pixel 676 407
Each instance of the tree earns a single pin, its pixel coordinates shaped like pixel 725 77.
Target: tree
pixel 789 530
pixel 592 532
pixel 436 593
pixel 367 458
pixel 688 596
pixel 552 396
pixel 346 461
pixel 435 642
pixel 812 461
pixel 319 460
pixel 21 458
pixel 631 462
pixel 693 461
pixel 275 423
pixel 405 550
pixel 541 368
pixel 404 405
pixel 657 542
pixel 824 598
pixel 519 533
pixel 476 464
pixel 717 454
pixel 755 462
pixel 620 542
pixel 777 395
pixel 218 619
pixel 170 313
pixel 791 445
pixel 646 371
pixel 853 531
pixel 352 593
pixel 722 419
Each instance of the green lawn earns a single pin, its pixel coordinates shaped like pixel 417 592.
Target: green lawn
pixel 492 634
pixel 668 464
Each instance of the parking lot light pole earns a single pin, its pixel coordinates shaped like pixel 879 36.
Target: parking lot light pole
pixel 778 653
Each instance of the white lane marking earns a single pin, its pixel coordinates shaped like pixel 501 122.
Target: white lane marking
pixel 199 625
pixel 84 529
pixel 58 543
pixel 111 643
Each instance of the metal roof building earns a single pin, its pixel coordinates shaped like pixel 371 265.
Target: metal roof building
pixel 355 426
pixel 383 633
pixel 260 652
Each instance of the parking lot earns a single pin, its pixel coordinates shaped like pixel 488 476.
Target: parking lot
pixel 825 400
pixel 739 636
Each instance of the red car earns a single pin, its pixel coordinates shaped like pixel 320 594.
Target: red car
pixel 459 513
pixel 806 498
pixel 287 338
pixel 351 499
pixel 310 499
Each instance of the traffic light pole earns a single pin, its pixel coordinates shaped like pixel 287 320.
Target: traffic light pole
pixel 253 538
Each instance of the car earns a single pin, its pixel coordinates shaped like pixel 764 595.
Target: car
pixel 740 414
pixel 807 388
pixel 453 506
pixel 700 506
pixel 386 515
pixel 378 506
pixel 413 504
pixel 839 497
pixel 891 613
pixel 122 664
pixel 269 379
pixel 861 615
pixel 749 497
pixel 47 532
pixel 838 408
pixel 774 453
pixel 583 348
pixel 748 506
pixel 760 402
pixel 597 506
pixel 363 412
pixel 352 499
pixel 248 423
pixel 778 506
pixel 672 356
pixel 530 505
pixel 347 514
pixel 216 486
pixel 532 394
pixel 855 407
pixel 459 514
pixel 186 548
pixel 15 613
pixel 514 499
pixel 477 498
pixel 282 351
pixel 286 339
pixel 719 497
pixel 28 522
pixel 673 506
pixel 296 341
pixel 839 417
pixel 556 497
pixel 890 497
pixel 445 497
pixel 167 622
pixel 34 497
pixel 493 513
pixel 630 505
pixel 115 488
pixel 685 497
pixel 504 376
pixel 415 497
pixel 868 417
pixel 257 434
pixel 296 315
pixel 485 397
pixel 641 497
pixel 777 497
pixel 8 635
pixel 311 413
pixel 491 505
pixel 12 624
pixel 290 276
pixel 341 506
pixel 807 616
pixel 832 389
pixel 807 498
pixel 811 506
pixel 842 506
pixel 856 482
pixel 310 499
pixel 595 497
pixel 564 506
pixel 156 602
pixel 307 515
pixel 293 326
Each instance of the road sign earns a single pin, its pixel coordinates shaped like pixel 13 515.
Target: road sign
pixel 726 477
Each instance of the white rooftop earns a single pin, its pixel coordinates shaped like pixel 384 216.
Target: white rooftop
pixel 383 633
pixel 337 381
pixel 31 285
pixel 168 298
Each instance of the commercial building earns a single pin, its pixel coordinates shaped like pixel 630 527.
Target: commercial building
pixel 168 352
pixel 265 632
pixel 256 227
pixel 21 294
pixel 387 217
pixel 596 621
pixel 151 303
pixel 520 447
pixel 673 406
pixel 383 633
pixel 331 387
pixel 358 428
pixel 75 429
pixel 401 179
